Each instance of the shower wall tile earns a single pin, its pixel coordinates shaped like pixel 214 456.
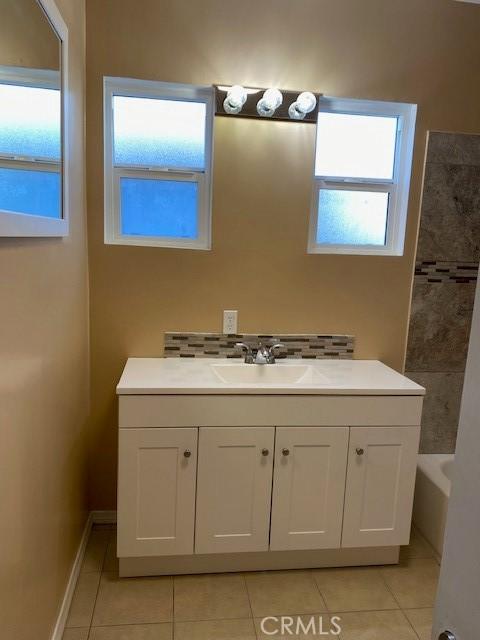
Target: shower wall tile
pixel 444 286
pixel 453 148
pixel 441 410
pixel 440 322
pixel 450 220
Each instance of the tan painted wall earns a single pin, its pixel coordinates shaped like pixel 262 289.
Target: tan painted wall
pixel 26 37
pixel 425 52
pixel 44 397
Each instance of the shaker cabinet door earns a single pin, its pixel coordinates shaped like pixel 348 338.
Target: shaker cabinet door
pixel 380 484
pixel 156 491
pixel 308 487
pixel 234 489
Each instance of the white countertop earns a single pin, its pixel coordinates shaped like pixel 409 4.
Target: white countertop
pixel 178 376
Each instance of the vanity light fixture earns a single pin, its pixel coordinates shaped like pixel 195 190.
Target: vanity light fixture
pixel 269 103
pixel 305 103
pixel 236 98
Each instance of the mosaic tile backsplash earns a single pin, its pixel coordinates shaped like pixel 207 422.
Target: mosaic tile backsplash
pixel 219 345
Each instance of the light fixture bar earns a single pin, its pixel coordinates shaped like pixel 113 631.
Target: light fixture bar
pixel 266 103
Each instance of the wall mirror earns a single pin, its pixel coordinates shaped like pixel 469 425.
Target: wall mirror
pixel 33 63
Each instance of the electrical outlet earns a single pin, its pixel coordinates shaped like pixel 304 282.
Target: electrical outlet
pixel 230 322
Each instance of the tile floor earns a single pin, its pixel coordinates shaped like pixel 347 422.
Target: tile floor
pixel 374 603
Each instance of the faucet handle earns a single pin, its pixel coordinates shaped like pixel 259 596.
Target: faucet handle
pixel 271 351
pixel 276 345
pixel 243 345
pixel 248 351
pixel 272 347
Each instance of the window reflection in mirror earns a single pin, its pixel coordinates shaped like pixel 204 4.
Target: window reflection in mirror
pixel 30 111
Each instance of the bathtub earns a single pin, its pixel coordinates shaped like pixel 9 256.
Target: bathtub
pixel 432 491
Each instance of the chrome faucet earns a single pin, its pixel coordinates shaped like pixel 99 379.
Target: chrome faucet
pixel 262 354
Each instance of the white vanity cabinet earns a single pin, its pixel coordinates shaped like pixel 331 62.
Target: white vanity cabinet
pixel 260 488
pixel 214 482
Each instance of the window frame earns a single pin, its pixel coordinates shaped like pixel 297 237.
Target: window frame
pixel 113 173
pixel 21 225
pixel 398 187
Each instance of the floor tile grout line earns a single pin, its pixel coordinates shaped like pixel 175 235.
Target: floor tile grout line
pixel 250 604
pixel 431 550
pixel 389 610
pixel 98 570
pixel 129 624
pixel 399 606
pixel 414 630
pixel 411 560
pixel 102 570
pixel 324 600
pixel 339 615
pixel 96 592
pixel 218 619
pixel 389 589
pixel 93 608
pixel 173 606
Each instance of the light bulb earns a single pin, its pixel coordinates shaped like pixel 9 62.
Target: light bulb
pixel 306 102
pixel 236 98
pixel 294 112
pixel 272 99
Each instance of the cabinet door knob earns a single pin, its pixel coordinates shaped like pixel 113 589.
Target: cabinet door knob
pixel 187 453
pixel 286 452
pixel 265 452
pixel 359 451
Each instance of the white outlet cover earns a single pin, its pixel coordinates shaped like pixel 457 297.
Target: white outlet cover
pixel 230 321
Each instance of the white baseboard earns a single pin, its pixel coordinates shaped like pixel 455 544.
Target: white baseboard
pixel 94 517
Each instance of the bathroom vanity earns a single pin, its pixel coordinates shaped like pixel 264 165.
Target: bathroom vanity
pixel 225 466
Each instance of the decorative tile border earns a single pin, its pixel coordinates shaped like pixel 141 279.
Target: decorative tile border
pixel 219 345
pixel 453 272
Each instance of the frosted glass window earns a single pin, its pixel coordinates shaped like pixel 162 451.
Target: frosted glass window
pixel 352 217
pixel 30 192
pixel 158 157
pixel 159 133
pixel 165 208
pixel 355 146
pixel 30 122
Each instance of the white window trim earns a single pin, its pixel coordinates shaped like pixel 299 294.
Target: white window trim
pixel 398 187
pixel 112 174
pixel 21 225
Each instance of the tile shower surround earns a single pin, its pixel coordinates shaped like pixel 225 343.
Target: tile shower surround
pixel 219 345
pixel 444 284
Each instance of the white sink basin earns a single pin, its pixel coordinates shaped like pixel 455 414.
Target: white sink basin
pixel 267 373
